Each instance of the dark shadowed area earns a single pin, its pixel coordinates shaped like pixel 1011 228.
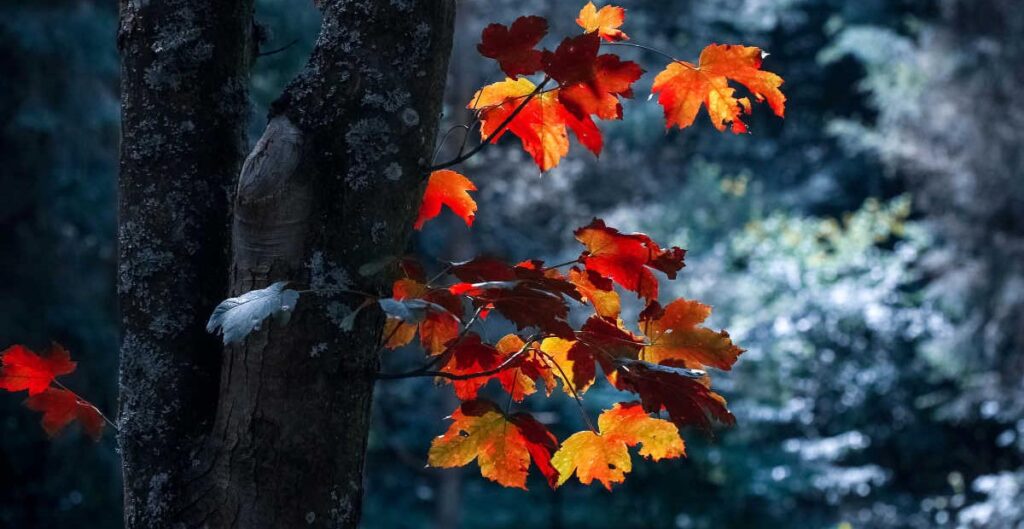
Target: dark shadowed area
pixel 867 251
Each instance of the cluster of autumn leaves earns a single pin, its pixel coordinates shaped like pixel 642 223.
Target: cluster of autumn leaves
pixel 664 363
pixel 662 359
pixel 589 84
pixel 24 370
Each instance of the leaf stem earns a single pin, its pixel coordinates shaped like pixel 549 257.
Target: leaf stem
pixel 501 128
pixel 80 399
pixel 572 389
pixel 465 376
pixel 642 47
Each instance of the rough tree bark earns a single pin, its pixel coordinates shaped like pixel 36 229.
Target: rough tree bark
pixel 333 184
pixel 184 88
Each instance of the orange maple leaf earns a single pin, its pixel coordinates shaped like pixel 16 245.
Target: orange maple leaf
pixel 596 290
pixel 604 456
pixel 502 446
pixel 675 335
pixel 437 328
pixel 61 407
pixel 605 21
pixel 23 369
pixel 451 189
pixel 683 88
pixel 542 125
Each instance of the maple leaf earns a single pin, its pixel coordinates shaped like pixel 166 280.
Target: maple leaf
pixel 682 392
pixel 502 446
pixel 557 350
pixel 519 381
pixel 605 21
pixel 683 87
pixel 674 335
pixel 525 294
pixel 590 84
pixel 601 341
pixel 542 125
pixel 22 369
pixel 61 407
pixel 469 356
pixel 434 316
pixel 451 189
pixel 513 47
pixel 596 290
pixel 626 258
pixel 605 456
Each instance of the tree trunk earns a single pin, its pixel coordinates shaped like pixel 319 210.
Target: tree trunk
pixel 334 183
pixel 184 88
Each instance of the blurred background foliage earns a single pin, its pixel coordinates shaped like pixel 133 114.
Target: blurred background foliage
pixel 868 251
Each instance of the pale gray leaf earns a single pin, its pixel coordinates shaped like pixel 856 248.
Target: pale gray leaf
pixel 235 318
pixel 409 310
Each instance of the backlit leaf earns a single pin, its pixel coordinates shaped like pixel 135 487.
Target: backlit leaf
pixel 675 335
pixel 628 258
pixel 450 189
pixel 605 21
pixel 502 446
pixel 683 87
pixel 22 369
pixel 604 456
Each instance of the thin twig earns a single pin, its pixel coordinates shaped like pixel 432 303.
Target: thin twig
pixel 559 265
pixel 80 399
pixel 278 50
pixel 440 356
pixel 501 127
pixel 642 47
pixel 465 376
pixel 572 389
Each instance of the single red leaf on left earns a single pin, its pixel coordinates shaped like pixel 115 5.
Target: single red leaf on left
pixel 22 369
pixel 591 84
pixel 451 189
pixel 61 407
pixel 514 46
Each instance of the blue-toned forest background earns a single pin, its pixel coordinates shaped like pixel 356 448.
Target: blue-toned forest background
pixel 868 251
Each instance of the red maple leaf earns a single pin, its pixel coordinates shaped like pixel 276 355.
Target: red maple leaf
pixel 514 47
pixel 628 258
pixel 61 407
pixel 23 369
pixel 542 125
pixel 590 84
pixel 451 189
pixel 683 393
pixel 683 87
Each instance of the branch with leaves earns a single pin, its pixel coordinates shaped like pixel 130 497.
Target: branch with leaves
pixel 662 358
